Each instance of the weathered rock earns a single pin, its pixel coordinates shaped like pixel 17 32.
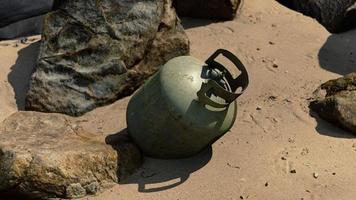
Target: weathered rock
pixel 95 52
pixel 338 106
pixel 15 10
pixel 335 15
pixel 51 156
pixel 209 9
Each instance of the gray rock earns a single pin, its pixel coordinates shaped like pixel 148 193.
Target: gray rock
pixel 23 28
pixel 338 106
pixel 51 156
pixel 335 15
pixel 95 52
pixel 208 9
pixel 15 10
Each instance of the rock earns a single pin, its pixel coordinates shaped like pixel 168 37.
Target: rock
pixel 15 10
pixel 95 52
pixel 23 28
pixel 315 175
pixel 51 156
pixel 338 105
pixel 335 15
pixel 209 9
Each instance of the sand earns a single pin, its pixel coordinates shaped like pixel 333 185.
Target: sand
pixel 276 149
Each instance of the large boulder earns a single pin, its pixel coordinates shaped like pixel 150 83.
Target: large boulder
pixel 51 156
pixel 95 52
pixel 335 15
pixel 23 28
pixel 15 10
pixel 208 9
pixel 338 105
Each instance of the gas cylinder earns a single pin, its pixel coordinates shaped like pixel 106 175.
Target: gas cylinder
pixel 186 106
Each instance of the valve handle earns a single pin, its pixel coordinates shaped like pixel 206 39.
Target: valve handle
pixel 229 96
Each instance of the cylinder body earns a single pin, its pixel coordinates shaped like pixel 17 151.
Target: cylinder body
pixel 165 117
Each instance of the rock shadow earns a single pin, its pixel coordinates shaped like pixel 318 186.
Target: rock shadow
pixel 11 195
pixel 158 175
pixel 287 3
pixel 338 54
pixel 328 129
pixel 21 72
pixel 188 22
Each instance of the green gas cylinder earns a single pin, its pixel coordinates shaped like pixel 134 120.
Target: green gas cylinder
pixel 186 106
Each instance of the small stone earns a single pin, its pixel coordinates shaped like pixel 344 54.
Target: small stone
pixel 271 43
pixel 275 65
pixel 241 197
pixel 334 174
pixel 283 158
pixel 293 171
pixel 23 40
pixel 272 98
pixel 258 49
pixel 288 100
pixel 266 184
pixel 258 108
pixel 315 175
pixel 274 25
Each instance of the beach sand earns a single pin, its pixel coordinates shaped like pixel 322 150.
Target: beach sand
pixel 275 150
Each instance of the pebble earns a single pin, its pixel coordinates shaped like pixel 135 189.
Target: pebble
pixel 293 171
pixel 273 98
pixel 275 120
pixel 258 108
pixel 315 175
pixel 271 43
pixel 23 40
pixel 266 184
